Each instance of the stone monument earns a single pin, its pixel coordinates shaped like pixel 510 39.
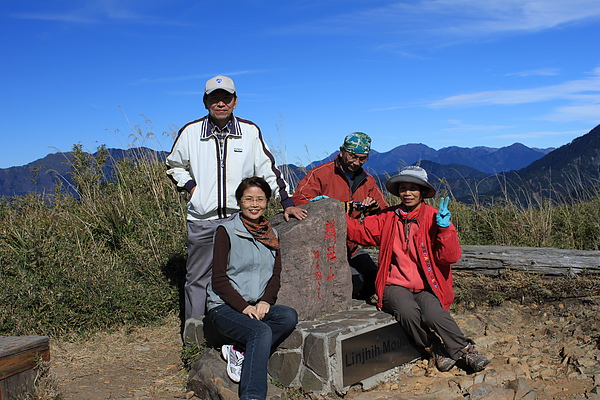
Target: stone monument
pixel 315 279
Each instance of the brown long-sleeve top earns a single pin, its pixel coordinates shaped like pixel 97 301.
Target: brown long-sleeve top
pixel 220 280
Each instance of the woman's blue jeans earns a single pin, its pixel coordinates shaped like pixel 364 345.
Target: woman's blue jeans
pixel 259 337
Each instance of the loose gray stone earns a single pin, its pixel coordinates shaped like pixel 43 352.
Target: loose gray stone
pixel 500 394
pixel 532 395
pixel 209 380
pixel 518 384
pixel 480 390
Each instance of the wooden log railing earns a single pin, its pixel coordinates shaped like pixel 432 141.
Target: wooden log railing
pixel 492 260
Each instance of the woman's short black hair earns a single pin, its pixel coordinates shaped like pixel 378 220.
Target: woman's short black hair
pixel 252 181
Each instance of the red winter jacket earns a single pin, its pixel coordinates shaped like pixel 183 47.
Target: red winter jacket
pixel 437 248
pixel 330 180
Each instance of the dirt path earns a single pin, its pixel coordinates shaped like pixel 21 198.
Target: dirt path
pixel 139 364
pixel 552 351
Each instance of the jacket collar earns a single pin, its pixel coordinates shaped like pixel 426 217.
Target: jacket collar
pixel 234 127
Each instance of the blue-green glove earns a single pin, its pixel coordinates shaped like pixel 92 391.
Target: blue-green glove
pixel 319 198
pixel 443 216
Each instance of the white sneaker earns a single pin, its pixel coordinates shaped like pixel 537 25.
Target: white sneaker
pixel 234 360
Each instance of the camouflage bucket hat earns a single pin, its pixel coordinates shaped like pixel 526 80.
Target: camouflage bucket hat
pixel 357 143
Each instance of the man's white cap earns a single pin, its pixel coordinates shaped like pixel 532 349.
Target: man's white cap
pixel 219 82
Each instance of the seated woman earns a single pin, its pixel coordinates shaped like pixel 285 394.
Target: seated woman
pixel 414 280
pixel 245 281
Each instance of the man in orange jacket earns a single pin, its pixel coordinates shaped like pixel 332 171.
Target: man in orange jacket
pixel 345 179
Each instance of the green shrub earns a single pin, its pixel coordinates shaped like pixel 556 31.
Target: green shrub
pixel 115 255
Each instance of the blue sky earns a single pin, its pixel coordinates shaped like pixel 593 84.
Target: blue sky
pixel 439 72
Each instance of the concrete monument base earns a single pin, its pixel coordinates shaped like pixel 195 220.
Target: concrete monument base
pixel 329 355
pixel 358 346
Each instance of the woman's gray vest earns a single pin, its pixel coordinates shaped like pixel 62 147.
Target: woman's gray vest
pixel 250 264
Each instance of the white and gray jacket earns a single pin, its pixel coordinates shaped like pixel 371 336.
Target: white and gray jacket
pixel 195 161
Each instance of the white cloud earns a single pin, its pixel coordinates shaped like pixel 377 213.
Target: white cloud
pixel 536 72
pixel 518 15
pixel 398 50
pixel 96 12
pixel 450 20
pixel 67 16
pixel 459 126
pixel 581 90
pixel 589 112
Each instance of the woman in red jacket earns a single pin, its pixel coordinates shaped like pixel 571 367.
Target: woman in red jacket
pixel 418 244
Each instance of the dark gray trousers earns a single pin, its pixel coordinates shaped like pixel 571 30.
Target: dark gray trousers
pixel 199 264
pixel 419 314
pixel 364 271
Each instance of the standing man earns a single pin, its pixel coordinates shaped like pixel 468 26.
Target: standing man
pixel 345 179
pixel 209 159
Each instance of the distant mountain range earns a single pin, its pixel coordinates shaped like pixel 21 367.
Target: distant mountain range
pixel 569 173
pixel 484 159
pixel 461 171
pixel 41 176
pixel 571 170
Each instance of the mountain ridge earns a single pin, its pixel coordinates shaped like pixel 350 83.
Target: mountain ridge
pixel 459 169
pixel 485 159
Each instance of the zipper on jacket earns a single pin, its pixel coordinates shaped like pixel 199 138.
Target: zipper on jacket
pixel 220 178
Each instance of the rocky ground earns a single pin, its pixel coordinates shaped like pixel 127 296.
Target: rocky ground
pixel 544 343
pixel 537 352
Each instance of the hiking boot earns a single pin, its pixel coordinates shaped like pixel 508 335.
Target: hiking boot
pixel 234 360
pixel 473 358
pixel 441 358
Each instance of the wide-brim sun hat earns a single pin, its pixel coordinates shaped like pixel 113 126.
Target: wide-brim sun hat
pixel 410 174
